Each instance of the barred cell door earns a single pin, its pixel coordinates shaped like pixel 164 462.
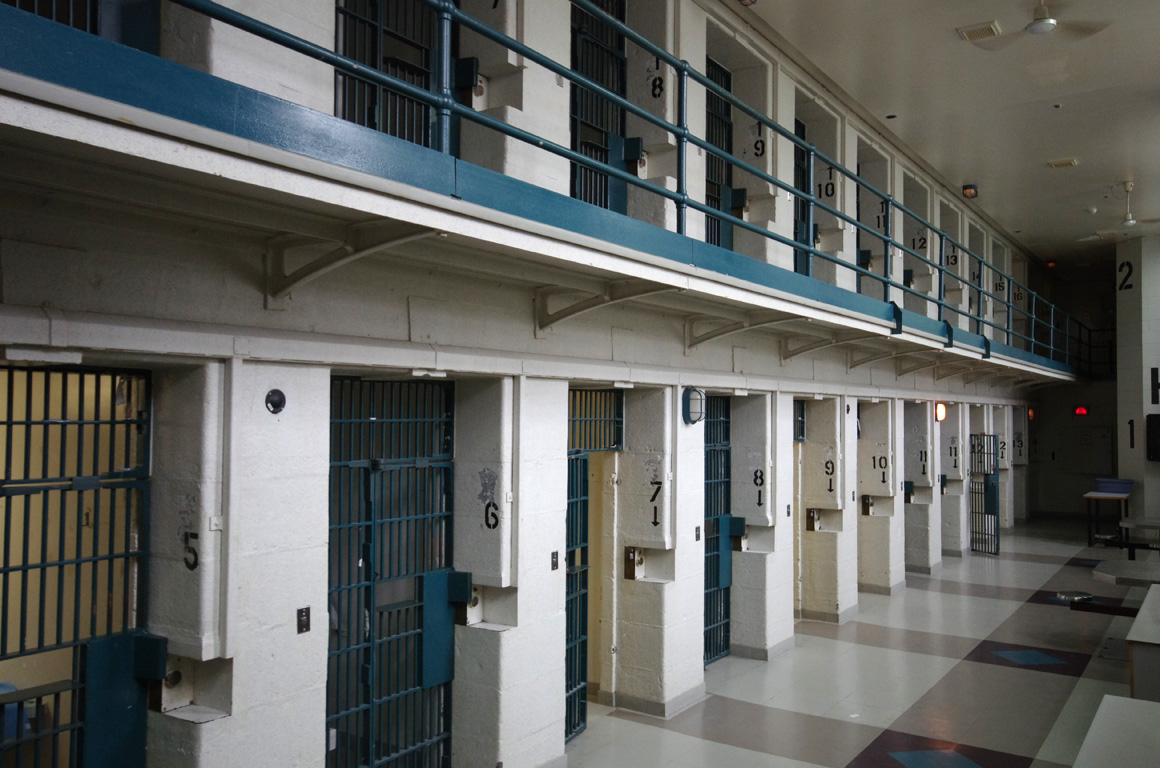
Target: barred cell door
pixel 391 627
pixel 74 500
pixel 576 598
pixel 802 261
pixel 598 125
pixel 398 38
pixel 595 423
pixel 984 495
pixel 718 543
pixel 718 172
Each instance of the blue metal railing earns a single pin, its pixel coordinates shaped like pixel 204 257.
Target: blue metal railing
pixel 995 306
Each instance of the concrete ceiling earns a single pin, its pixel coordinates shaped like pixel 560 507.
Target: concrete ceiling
pixel 996 118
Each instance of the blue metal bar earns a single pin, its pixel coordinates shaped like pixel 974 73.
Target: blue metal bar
pixel 682 145
pixel 811 201
pixel 443 80
pixel 888 248
pixel 942 276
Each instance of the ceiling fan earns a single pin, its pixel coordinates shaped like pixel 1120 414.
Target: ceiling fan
pixel 1126 223
pixel 1044 22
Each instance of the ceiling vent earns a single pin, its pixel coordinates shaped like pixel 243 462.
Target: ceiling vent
pixel 977 32
pixel 1069 162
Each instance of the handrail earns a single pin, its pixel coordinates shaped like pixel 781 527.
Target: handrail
pixel 1011 312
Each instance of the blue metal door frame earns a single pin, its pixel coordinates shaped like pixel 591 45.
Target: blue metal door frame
pixel 576 598
pixel 984 496
pixel 74 502
pixel 718 542
pixel 595 423
pixel 391 627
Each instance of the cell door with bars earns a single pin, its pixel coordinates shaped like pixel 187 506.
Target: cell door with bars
pixel 598 125
pixel 802 260
pixel 74 501
pixel 718 172
pixel 391 627
pixel 595 423
pixel 718 542
pixel 984 492
pixel 396 37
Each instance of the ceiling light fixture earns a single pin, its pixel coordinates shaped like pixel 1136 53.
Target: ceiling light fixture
pixel 1129 219
pixel 1043 21
pixel 970 191
pixel 748 3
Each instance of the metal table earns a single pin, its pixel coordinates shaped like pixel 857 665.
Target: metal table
pixel 1122 734
pixel 1093 500
pixel 1126 573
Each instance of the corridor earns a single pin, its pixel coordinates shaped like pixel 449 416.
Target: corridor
pixel 980 658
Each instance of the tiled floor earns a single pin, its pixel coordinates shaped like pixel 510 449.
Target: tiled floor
pixel 975 666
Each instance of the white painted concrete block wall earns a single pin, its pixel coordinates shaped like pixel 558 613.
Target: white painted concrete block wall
pixel 276 529
pixel 691 46
pixel 881 534
pixel 660 618
pixel 185 496
pixel 762 592
pixel 227 52
pixel 847 541
pixel 529 681
pixel 1001 421
pixel 954 455
pixel 521 93
pixel 484 525
pixel 923 467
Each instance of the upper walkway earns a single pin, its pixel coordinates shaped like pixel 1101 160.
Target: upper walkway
pixel 777 235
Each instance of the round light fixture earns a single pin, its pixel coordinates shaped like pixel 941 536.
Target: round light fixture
pixel 1129 219
pixel 970 191
pixel 1041 26
pixel 1042 23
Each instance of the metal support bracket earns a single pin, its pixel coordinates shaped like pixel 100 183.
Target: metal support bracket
pixel 752 320
pixel 787 353
pixel 941 375
pixel 919 366
pixel 614 292
pixel 874 358
pixel 280 285
pixel 980 376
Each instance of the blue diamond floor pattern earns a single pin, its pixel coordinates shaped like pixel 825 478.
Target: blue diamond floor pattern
pixel 934 758
pixel 1028 658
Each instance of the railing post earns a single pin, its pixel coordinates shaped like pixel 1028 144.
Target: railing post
pixel 682 145
pixel 942 275
pixel 443 80
pixel 1010 309
pixel 1051 333
pixel 887 243
pixel 809 215
pixel 1035 323
pixel 1067 338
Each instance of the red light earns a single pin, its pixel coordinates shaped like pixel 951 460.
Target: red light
pixel 1081 410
